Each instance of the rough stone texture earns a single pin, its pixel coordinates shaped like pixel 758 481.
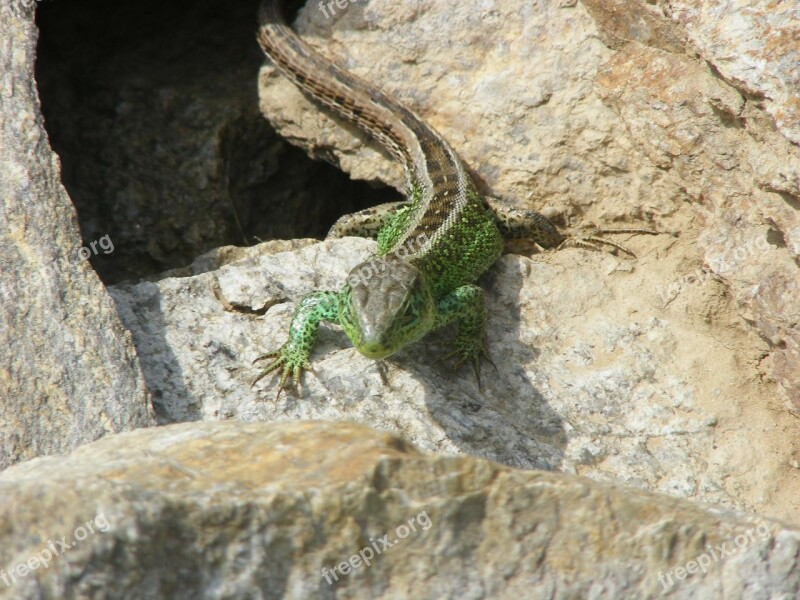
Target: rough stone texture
pixel 68 371
pixel 603 112
pixel 594 375
pixel 725 154
pixel 755 45
pixel 232 510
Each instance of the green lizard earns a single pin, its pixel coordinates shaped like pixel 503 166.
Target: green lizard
pixel 431 248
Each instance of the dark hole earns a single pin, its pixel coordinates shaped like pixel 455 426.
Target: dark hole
pixel 153 109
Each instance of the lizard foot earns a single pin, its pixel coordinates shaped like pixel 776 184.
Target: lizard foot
pixel 470 350
pixel 289 361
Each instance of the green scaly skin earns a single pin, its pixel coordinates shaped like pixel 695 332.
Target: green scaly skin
pixel 431 249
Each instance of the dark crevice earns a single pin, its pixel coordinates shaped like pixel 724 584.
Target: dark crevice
pixel 790 199
pixel 776 238
pixel 153 110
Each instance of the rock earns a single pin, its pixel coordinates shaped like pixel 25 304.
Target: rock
pixel 744 176
pixel 283 510
pixel 602 112
pixel 754 46
pixel 590 378
pixel 68 370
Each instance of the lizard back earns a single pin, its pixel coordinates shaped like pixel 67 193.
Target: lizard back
pixel 462 239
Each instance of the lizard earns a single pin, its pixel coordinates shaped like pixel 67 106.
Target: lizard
pixel 431 248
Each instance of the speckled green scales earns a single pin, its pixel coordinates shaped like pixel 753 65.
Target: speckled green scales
pixel 449 268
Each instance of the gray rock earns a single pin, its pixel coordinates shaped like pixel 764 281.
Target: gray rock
pixel 68 370
pixel 590 379
pixel 232 510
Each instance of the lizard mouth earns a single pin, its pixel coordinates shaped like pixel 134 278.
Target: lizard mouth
pixel 374 350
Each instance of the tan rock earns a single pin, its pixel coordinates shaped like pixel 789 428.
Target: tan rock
pixel 68 370
pixel 754 45
pixel 257 510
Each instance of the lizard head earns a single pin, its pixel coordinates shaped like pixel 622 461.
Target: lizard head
pixel 386 304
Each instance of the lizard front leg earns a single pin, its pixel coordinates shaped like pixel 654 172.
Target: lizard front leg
pixel 466 305
pixel 292 357
pixel 366 223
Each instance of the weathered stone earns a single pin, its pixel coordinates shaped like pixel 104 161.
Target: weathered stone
pixel 754 44
pixel 590 379
pixel 68 371
pixel 744 175
pixel 255 510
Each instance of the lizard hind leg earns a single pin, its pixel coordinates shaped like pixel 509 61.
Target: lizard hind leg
pixel 517 223
pixel 466 306
pixel 522 224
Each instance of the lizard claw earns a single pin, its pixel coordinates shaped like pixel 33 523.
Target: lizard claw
pixel 485 353
pixel 290 365
pixel 470 352
pixel 594 241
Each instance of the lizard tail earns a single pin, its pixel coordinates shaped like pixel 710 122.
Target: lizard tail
pixel 395 126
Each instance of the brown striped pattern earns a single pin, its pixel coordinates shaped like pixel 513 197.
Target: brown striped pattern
pixel 430 163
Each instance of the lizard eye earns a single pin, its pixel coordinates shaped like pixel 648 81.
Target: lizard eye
pixel 408 315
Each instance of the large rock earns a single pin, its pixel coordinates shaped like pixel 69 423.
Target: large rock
pixel 68 370
pixel 324 510
pixel 592 376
